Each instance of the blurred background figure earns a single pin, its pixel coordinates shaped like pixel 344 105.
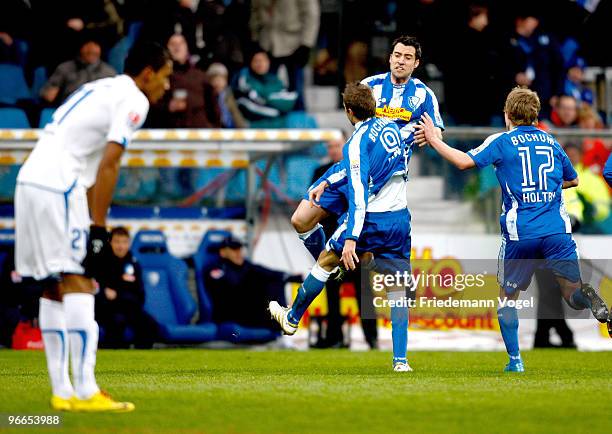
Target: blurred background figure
pixel 565 112
pixel 241 290
pixel 589 203
pixel 574 85
pixel 70 75
pixel 190 102
pixel 474 48
pixel 287 30
pixel 535 58
pixel 218 77
pixel 120 299
pixel 262 97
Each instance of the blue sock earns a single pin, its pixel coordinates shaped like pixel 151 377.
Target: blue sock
pixel 508 324
pixel 578 301
pixel 399 333
pixel 312 286
pixel 314 240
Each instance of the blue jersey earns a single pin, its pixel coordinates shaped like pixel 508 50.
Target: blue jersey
pixel 372 172
pixel 404 104
pixel 607 172
pixel 530 166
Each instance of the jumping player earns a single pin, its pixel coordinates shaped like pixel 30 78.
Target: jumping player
pixel 373 170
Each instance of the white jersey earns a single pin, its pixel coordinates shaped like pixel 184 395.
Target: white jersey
pixel 70 148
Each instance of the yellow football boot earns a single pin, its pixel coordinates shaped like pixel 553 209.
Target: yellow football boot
pixel 61 404
pixel 99 402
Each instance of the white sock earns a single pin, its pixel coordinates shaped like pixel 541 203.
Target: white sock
pixel 83 332
pixel 55 337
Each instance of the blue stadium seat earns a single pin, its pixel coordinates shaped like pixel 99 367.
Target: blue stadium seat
pixel 13 85
pixel 167 296
pixel 13 118
pixel 227 331
pixel 46 116
pixel 202 258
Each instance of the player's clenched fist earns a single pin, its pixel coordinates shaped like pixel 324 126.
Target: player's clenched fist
pixel 97 249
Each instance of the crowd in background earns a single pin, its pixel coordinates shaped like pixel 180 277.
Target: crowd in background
pixel 240 63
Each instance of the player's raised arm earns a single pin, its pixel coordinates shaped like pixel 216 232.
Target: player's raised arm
pixel 427 132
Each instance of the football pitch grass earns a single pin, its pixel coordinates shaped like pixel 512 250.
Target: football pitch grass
pixel 235 391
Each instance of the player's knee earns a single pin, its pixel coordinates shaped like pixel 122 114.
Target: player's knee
pixel 300 224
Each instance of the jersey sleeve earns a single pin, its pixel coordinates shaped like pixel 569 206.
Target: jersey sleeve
pixel 569 173
pixel 128 116
pixel 336 175
pixel 487 153
pixel 607 172
pixel 358 172
pixel 433 109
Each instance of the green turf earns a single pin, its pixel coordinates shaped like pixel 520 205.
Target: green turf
pixel 214 391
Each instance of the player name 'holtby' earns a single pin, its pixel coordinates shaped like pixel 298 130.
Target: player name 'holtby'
pixel 539 196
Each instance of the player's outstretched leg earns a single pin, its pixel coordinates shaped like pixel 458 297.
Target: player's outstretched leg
pixel 55 337
pixel 83 336
pixel 305 221
pixel 289 318
pixel 508 325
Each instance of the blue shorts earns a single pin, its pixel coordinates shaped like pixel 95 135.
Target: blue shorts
pixel 385 234
pixel 333 200
pixel 518 260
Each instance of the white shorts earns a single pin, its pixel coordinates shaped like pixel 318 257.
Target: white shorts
pixel 51 229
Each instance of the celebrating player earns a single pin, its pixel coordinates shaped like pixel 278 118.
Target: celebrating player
pixel 400 98
pixel 74 166
pixel 531 168
pixel 374 172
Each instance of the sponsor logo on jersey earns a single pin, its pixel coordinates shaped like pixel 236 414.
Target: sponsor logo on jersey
pixel 133 118
pixel 394 113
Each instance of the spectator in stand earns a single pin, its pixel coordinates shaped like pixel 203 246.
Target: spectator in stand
pixel 190 102
pixel 164 18
pixel 225 42
pixel 565 112
pixel 588 203
pixel 574 86
pixel 595 150
pixel 120 300
pixel 483 62
pixel 261 95
pixel 231 117
pixel 287 30
pixel 240 290
pixel 70 75
pixel 14 22
pixel 535 59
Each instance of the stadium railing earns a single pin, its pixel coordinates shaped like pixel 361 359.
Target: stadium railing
pixel 250 153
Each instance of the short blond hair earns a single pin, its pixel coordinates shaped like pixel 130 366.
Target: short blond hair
pixel 522 106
